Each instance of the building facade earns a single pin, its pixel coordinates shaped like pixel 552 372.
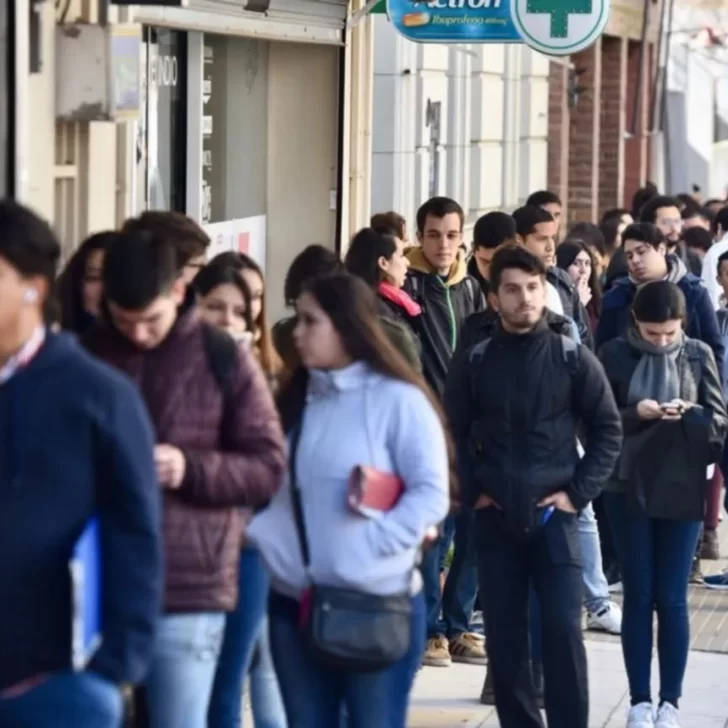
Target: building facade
pixel 602 118
pixel 248 122
pixel 466 121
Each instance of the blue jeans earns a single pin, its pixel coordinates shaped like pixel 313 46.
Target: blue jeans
pixel 457 600
pixel 65 700
pixel 265 695
pixel 242 632
pixel 314 696
pixel 179 683
pixel 596 588
pixel 655 556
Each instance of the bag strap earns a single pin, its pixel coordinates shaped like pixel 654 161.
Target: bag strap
pixel 296 497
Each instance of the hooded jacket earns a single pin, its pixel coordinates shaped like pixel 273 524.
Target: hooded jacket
pixel 446 301
pixel 702 322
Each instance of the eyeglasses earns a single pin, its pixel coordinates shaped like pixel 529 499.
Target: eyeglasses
pixel 670 222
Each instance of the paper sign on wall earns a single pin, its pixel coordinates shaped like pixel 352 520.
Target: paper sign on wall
pixel 244 235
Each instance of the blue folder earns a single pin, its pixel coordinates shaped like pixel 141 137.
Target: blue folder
pixel 85 568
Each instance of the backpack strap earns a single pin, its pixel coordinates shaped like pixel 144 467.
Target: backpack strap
pixel 695 358
pixel 571 353
pixel 221 351
pixel 222 356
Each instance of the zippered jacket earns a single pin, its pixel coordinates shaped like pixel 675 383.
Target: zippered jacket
pixel 446 302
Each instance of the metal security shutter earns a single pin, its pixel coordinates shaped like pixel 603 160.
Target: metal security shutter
pixel 312 21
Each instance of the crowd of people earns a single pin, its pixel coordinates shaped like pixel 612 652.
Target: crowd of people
pixel 515 429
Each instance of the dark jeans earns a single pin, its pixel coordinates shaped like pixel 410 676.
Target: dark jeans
pixel 549 559
pixel 655 556
pixel 457 599
pixel 242 630
pixel 65 700
pixel 606 541
pixel 314 696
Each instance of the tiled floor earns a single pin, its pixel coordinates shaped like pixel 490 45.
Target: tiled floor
pixel 448 697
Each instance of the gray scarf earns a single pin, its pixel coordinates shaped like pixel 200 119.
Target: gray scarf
pixel 657 375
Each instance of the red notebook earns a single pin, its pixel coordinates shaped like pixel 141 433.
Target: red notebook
pixel 373 492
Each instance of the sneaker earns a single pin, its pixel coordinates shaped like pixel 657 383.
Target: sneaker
pixel 668 716
pixel 696 574
pixel 607 619
pixel 436 653
pixel 710 549
pixel 616 588
pixel 717 581
pixel 641 715
pixel 468 648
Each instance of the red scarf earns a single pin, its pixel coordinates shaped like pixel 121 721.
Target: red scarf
pixel 399 298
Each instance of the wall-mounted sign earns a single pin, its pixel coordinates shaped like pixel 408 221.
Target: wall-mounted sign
pixel 560 27
pixel 554 27
pixel 454 21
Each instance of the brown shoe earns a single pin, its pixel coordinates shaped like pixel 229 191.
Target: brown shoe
pixel 710 548
pixel 437 653
pixel 468 648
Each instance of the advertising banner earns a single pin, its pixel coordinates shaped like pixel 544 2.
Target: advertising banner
pixel 554 27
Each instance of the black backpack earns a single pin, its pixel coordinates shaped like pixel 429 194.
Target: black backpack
pixel 221 351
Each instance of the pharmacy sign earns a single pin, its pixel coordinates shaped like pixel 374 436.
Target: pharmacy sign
pixel 554 27
pixel 560 27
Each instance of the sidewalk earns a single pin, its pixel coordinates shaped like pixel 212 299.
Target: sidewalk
pixel 448 697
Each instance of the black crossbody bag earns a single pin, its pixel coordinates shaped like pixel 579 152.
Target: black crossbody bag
pixel 346 629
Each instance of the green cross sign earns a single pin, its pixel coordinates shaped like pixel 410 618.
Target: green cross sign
pixel 559 10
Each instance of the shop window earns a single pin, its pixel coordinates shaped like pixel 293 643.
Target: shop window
pixel 234 129
pixel 162 127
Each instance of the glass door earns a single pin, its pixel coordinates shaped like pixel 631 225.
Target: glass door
pixel 161 131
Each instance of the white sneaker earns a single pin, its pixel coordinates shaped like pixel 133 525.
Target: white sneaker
pixel 667 716
pixel 641 716
pixel 607 619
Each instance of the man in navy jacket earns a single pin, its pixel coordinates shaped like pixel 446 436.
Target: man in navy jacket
pixel 76 444
pixel 646 251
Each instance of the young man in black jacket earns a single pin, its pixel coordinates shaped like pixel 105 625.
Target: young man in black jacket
pixel 515 402
pixel 490 232
pixel 438 281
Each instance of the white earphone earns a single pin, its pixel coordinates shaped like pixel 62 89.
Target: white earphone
pixel 30 295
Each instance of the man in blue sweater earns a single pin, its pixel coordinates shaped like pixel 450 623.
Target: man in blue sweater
pixel 75 444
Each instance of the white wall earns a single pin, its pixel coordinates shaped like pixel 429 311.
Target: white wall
pixel 696 90
pixel 302 156
pixel 493 123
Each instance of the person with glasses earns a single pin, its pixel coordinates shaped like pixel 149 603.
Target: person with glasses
pixel 664 212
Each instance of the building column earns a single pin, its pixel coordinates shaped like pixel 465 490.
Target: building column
pixel 584 137
pixel 613 123
pixel 557 172
pixel 637 92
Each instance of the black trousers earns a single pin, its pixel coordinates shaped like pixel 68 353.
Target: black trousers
pixel 508 563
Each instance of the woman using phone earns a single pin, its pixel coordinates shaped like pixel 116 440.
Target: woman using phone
pixel 353 406
pixel 669 392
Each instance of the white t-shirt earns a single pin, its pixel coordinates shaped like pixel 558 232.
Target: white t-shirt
pixel 710 270
pixel 553 300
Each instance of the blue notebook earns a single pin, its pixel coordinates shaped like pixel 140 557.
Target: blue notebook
pixel 85 568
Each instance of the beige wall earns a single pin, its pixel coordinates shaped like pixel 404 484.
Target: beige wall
pixel 302 146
